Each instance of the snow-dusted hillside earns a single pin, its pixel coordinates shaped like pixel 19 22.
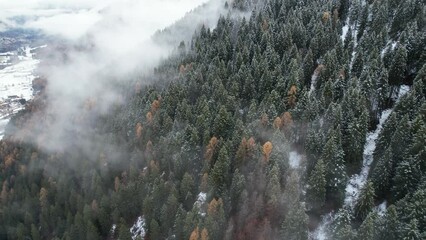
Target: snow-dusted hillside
pixel 16 85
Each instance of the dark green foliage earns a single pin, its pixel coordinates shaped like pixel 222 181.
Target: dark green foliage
pixel 245 82
pixel 316 191
pixel 295 225
pixel 365 202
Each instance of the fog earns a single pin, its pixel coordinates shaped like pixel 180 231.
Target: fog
pixel 107 41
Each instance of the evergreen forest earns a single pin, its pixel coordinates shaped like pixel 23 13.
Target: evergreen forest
pixel 290 119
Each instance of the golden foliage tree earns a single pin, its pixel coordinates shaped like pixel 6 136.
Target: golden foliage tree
pixel 245 151
pixel 214 206
pixel 211 147
pixel 149 117
pixel 277 123
pixel 195 234
pixel 8 161
pixel 267 149
pixel 117 184
pixel 43 197
pixel 4 192
pixel 204 234
pixel 291 100
pixel 287 120
pixel 326 16
pixel 139 129
pixel 155 106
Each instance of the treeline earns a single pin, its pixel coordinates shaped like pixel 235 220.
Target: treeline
pixel 307 76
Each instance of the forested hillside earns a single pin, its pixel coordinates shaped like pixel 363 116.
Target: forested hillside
pixel 251 130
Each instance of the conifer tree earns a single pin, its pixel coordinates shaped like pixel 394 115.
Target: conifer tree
pixel 365 202
pixel 317 186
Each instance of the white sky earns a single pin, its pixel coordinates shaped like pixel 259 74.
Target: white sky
pixel 73 18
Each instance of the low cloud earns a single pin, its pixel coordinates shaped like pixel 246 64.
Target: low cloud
pixel 106 42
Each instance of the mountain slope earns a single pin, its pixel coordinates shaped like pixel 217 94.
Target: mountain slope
pixel 222 119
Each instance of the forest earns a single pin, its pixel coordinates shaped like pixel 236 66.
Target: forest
pixel 253 129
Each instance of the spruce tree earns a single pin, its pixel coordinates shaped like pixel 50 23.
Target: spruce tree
pixel 365 202
pixel 317 186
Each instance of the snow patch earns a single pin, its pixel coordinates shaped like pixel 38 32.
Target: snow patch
pixel 294 159
pixel 16 86
pixel 381 209
pixel 357 181
pixel 321 232
pixel 344 32
pixel 200 202
pixel 313 83
pixel 114 226
pixel 138 229
pixel 403 89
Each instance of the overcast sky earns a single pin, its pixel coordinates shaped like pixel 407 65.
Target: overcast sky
pixel 73 18
pixel 117 34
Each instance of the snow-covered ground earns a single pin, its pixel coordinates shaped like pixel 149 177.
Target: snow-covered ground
pixel 16 83
pixel 294 159
pixel 381 208
pixel 357 181
pixel 403 89
pixel 313 83
pixel 200 202
pixel 321 232
pixel 138 229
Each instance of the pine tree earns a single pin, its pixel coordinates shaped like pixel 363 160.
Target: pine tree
pixel 295 226
pixel 365 202
pixel 367 229
pixel 391 225
pixel 335 172
pixel 237 186
pixel 215 222
pixel 124 233
pixel 273 188
pixel 407 176
pixel 398 68
pixel 220 172
pixel 317 186
pixel 411 231
pixel 341 227
pixel 382 172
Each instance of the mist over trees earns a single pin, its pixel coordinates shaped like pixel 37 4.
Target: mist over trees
pixel 219 120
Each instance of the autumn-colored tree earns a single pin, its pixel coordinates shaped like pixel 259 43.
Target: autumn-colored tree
pixel 251 144
pixel 43 197
pixel 139 129
pixel 326 16
pixel 155 106
pixel 149 117
pixel 215 222
pixel 208 155
pixel 214 206
pixel 267 149
pixel 154 168
pixel 287 122
pixel 204 234
pixel 149 147
pixel 291 98
pixel 3 194
pixel 117 184
pixel 277 123
pixel 182 69
pixel 195 234
pixel 8 161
